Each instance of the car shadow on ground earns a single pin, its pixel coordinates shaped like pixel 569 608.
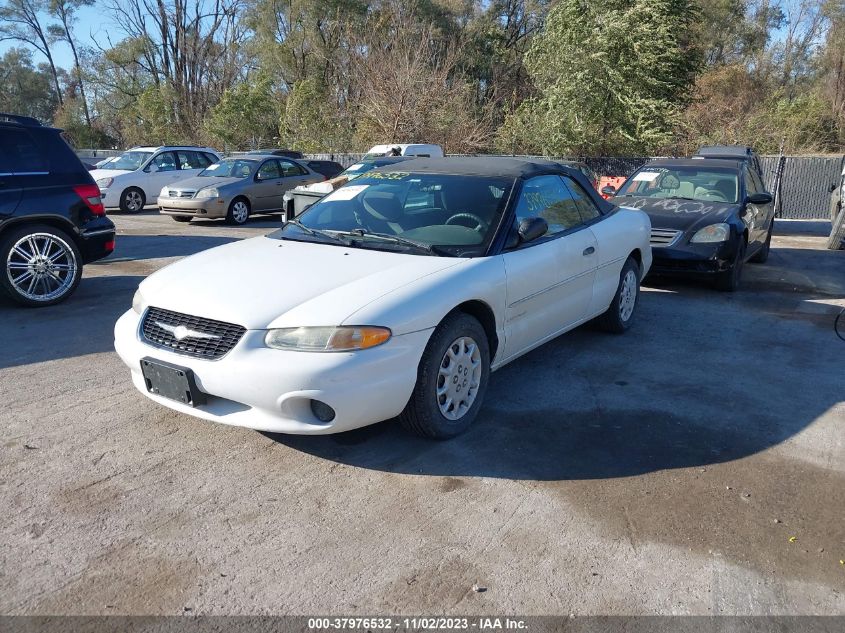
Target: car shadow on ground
pixel 83 324
pixel 703 377
pixel 139 247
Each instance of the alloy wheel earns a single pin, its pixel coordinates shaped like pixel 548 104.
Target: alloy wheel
pixel 240 212
pixel 628 295
pixel 133 201
pixel 41 267
pixel 458 378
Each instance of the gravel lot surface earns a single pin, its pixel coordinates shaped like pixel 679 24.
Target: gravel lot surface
pixel 692 466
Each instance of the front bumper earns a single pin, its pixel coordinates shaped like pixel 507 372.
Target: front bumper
pixel 270 390
pixel 693 259
pixel 196 207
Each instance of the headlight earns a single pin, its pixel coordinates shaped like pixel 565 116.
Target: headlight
pixel 712 233
pixel 164 193
pixel 105 183
pixel 327 339
pixel 208 192
pixel 138 303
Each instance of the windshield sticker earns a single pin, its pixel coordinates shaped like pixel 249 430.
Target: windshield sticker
pixel 355 167
pixel 646 176
pixel 345 193
pixel 390 175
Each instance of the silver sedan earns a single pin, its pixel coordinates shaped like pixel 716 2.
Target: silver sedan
pixel 235 188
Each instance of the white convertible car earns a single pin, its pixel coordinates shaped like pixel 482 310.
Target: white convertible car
pixel 395 295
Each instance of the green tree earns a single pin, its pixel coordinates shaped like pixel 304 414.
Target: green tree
pixel 20 20
pixel 311 122
pixel 247 116
pixel 27 90
pixel 612 77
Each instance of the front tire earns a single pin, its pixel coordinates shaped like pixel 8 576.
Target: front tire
pixel 238 212
pixel 451 380
pixel 42 265
pixel 132 200
pixel 620 315
pixel 728 280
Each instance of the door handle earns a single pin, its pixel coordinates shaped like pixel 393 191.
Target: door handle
pixel 588 251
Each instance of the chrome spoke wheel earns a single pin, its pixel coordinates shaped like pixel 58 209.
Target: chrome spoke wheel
pixel 133 201
pixel 628 295
pixel 458 378
pixel 41 267
pixel 240 212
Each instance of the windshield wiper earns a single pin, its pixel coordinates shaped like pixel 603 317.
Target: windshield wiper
pixel 396 239
pixel 321 233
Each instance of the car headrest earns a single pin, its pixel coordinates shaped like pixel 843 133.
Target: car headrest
pixel 727 188
pixel 382 205
pixel 469 197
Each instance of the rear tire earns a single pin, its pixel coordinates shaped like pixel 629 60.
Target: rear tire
pixel 238 212
pixel 181 218
pixel 729 280
pixel 620 315
pixel 41 265
pixel 132 200
pixel 762 255
pixel 837 232
pixel 451 379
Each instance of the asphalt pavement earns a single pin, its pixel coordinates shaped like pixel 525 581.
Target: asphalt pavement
pixel 694 465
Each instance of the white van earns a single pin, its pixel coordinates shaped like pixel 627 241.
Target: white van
pixel 422 150
pixel 131 181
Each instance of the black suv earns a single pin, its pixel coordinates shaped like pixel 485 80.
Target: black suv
pixel 52 220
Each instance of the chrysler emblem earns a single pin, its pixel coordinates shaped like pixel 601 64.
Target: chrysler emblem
pixel 180 332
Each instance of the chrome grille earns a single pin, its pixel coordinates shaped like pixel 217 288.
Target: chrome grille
pixel 663 237
pixel 190 335
pixel 173 193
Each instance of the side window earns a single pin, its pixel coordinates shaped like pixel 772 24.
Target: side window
pixel 548 198
pixel 289 168
pixel 166 161
pixel 586 207
pixel 750 182
pixel 21 154
pixel 190 160
pixel 757 181
pixel 210 158
pixel 269 171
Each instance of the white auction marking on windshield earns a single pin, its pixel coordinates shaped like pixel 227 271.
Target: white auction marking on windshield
pixel 345 193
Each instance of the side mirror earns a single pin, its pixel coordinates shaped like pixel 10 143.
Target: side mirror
pixel 764 197
pixel 532 228
pixel 151 168
pixel 833 187
pixel 609 190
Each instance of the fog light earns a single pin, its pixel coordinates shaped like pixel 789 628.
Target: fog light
pixel 322 411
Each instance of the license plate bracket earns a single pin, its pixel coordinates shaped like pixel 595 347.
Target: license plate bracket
pixel 172 382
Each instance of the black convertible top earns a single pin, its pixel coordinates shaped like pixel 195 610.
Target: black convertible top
pixel 502 166
pixel 700 163
pixel 498 166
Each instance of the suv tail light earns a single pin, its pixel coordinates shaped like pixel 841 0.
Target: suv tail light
pixel 90 195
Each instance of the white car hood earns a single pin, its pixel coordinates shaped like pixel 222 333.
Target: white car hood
pixel 262 282
pixel 98 174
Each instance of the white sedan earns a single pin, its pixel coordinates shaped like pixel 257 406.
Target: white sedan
pixel 395 295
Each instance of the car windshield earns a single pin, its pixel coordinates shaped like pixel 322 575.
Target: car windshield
pixel 687 183
pixel 235 168
pixel 415 212
pixel 129 161
pixel 353 171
